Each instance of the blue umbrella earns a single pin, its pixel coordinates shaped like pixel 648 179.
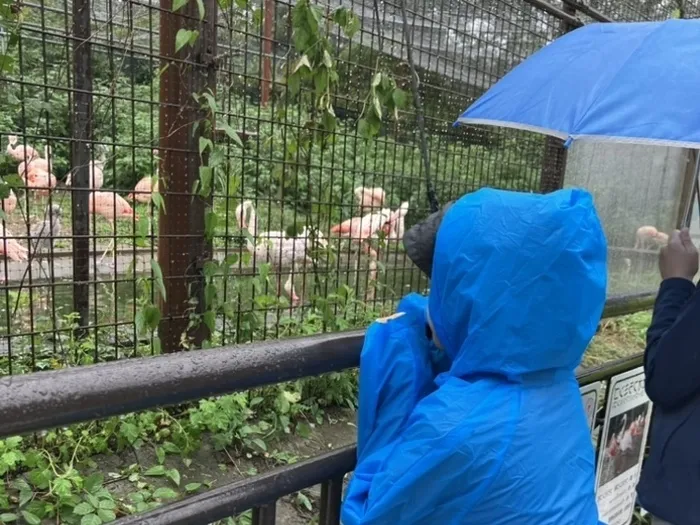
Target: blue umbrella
pixel 623 82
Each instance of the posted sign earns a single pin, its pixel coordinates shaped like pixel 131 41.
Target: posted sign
pixel 590 395
pixel 622 448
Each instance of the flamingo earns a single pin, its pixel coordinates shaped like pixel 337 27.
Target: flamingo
pixel 145 187
pixel 41 180
pixel 394 227
pixel 362 229
pixel 372 198
pixel 112 207
pixel 20 152
pixel 274 247
pixel 9 203
pixel 289 289
pixel 96 174
pixel 649 234
pixel 35 162
pixel 10 248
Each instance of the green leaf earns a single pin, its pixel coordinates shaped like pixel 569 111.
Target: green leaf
pixel 211 101
pixel 192 487
pixel 171 448
pixel 302 62
pixel 182 38
pixel 93 500
pixel 211 220
pixel 93 482
pixel 30 518
pixel 62 487
pixel 107 504
pixel 83 509
pixel 294 83
pixel 106 515
pixel 232 134
pixel 165 493
pixel 174 475
pixel 158 202
pixel 400 98
pixel 8 517
pixel 260 444
pixel 377 79
pixel 14 180
pixel 91 519
pixel 158 276
pixel 177 5
pixel 151 315
pixel 158 470
pixel 200 7
pixel 303 430
pixel 209 319
pixel 206 175
pixel 377 107
pixel 205 143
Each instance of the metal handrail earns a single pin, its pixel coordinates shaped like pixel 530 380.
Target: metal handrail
pixel 42 400
pixel 235 498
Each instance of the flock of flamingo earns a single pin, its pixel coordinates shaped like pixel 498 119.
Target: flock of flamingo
pixel 283 252
pixel 273 247
pixel 37 176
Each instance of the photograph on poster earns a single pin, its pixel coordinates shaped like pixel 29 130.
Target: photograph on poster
pixel 623 443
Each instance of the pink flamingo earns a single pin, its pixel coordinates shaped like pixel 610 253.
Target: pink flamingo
pixel 35 163
pixel 145 187
pixel 10 248
pixel 647 235
pixel 394 226
pixel 372 198
pixel 112 207
pixel 41 180
pixel 9 203
pixel 20 152
pixel 96 174
pixel 362 229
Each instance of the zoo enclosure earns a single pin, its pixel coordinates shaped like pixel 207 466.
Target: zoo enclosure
pixel 221 90
pixel 36 401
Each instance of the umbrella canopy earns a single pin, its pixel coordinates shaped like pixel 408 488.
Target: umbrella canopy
pixel 625 82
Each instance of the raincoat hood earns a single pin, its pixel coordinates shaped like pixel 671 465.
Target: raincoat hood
pixel 492 431
pixel 518 281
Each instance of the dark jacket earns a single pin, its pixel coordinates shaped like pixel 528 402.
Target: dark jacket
pixel 670 484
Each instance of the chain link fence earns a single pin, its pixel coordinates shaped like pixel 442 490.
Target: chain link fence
pixel 201 173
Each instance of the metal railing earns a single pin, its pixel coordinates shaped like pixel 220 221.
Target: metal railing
pixel 47 399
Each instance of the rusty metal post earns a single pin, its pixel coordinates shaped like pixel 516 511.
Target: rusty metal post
pixel 268 35
pixel 81 131
pixel 182 245
pixel 554 161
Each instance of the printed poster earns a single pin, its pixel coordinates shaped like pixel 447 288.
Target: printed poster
pixel 622 448
pixel 590 395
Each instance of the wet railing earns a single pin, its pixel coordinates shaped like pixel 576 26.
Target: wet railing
pixel 49 399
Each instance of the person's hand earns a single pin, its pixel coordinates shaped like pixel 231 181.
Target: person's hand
pixel 679 258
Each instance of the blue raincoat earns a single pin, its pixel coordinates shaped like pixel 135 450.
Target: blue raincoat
pixel 492 431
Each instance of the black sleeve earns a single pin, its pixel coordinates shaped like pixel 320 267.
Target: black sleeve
pixel 672 356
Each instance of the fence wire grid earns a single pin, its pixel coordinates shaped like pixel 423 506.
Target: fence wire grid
pixel 200 173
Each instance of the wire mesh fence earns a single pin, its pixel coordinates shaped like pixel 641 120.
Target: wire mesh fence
pixel 200 173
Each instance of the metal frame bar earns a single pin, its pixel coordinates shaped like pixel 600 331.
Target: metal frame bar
pixel 329 468
pixel 259 491
pixel 49 399
pixel 42 400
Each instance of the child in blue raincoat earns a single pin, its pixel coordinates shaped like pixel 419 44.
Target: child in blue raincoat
pixel 469 409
